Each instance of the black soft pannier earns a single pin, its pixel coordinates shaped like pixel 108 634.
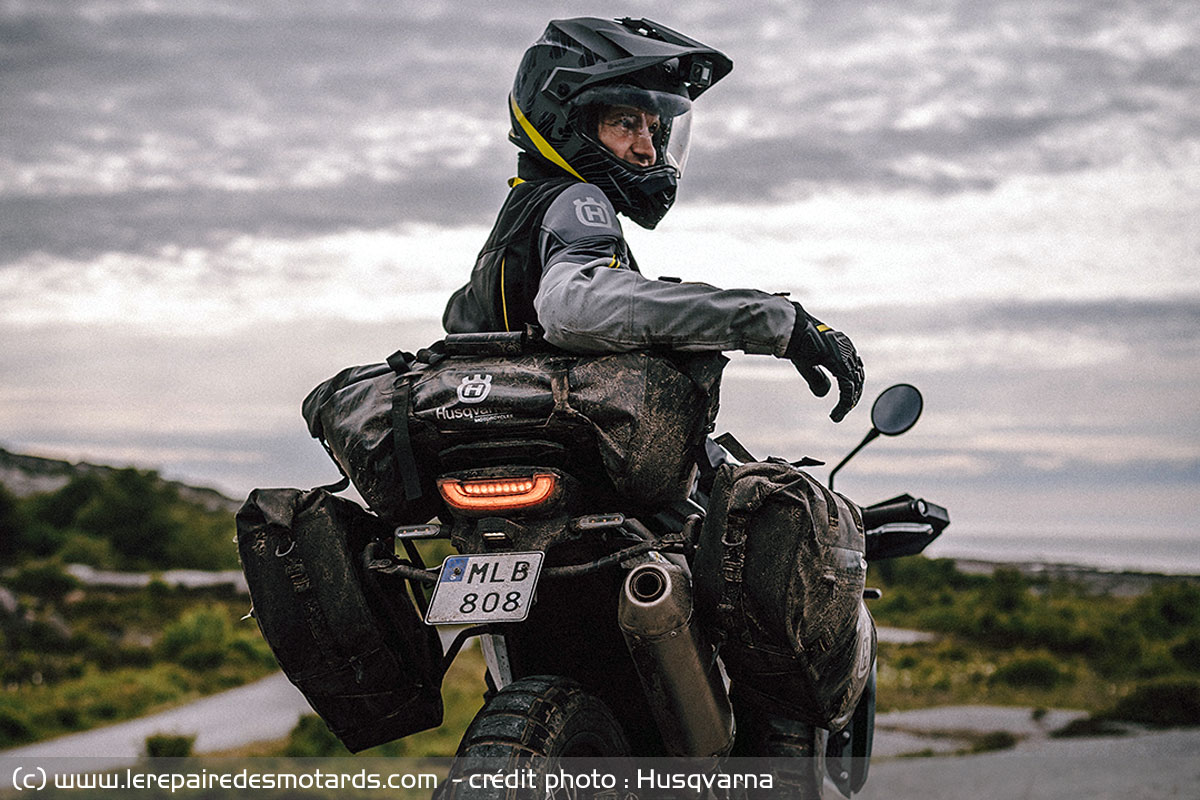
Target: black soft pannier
pixel 349 638
pixel 779 573
pixel 632 419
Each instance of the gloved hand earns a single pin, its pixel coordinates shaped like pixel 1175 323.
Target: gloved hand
pixel 814 345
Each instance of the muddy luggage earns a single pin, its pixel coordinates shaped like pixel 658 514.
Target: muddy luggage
pixel 779 574
pixel 628 421
pixel 350 639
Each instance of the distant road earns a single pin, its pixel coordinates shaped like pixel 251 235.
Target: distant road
pixel 264 710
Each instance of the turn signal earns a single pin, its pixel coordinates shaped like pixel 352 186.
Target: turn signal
pixel 498 494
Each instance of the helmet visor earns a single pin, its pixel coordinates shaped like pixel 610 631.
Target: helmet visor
pixel 678 139
pixel 673 112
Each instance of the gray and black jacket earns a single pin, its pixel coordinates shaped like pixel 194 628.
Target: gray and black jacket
pixel 557 257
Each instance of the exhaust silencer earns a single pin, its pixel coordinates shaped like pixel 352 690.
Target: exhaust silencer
pixel 677 667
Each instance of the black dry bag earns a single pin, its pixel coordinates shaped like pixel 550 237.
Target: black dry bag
pixel 349 638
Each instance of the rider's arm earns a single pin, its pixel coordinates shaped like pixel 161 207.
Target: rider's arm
pixel 592 300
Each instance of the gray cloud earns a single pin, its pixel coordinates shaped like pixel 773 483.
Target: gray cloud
pixel 83 225
pixel 136 124
pixel 130 128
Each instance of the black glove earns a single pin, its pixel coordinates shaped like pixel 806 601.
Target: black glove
pixel 814 344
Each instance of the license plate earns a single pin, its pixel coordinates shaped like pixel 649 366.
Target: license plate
pixel 475 589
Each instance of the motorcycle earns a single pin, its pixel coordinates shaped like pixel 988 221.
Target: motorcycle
pixel 590 640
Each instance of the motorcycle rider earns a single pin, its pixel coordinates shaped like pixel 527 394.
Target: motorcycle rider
pixel 601 112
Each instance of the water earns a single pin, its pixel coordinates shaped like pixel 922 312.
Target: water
pixel 1168 555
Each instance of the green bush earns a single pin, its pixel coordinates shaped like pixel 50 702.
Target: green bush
pixel 1122 646
pixel 312 739
pixel 131 509
pixel 1089 726
pixel 58 509
pixel 1187 653
pixel 1168 609
pixel 1162 703
pixel 12 523
pixel 82 548
pixel 15 727
pixel 45 579
pixel 1008 590
pixel 1031 672
pixel 199 640
pixel 169 745
pixel 992 741
pixel 125 519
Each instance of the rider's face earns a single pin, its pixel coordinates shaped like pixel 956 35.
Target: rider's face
pixel 629 133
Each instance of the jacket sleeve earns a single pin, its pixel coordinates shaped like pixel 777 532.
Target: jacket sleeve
pixel 592 300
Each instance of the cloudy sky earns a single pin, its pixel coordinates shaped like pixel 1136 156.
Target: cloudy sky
pixel 208 207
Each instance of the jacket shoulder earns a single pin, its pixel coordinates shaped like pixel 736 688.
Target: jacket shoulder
pixel 581 211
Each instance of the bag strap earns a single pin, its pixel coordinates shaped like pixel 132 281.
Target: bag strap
pixel 301 583
pixel 401 443
pixel 733 566
pixel 830 504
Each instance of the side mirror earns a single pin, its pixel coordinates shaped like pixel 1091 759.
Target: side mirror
pixel 895 411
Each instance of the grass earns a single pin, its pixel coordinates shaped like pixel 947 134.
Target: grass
pixel 90 658
pixel 78 659
pixel 1008 640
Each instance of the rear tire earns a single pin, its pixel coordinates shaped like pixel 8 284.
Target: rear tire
pixel 526 729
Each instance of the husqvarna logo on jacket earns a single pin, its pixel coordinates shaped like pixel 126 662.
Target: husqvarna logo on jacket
pixel 592 213
pixel 474 388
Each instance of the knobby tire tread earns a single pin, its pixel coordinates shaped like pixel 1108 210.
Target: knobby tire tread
pixel 529 725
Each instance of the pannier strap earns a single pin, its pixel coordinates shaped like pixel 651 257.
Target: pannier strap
pixel 406 462
pixel 733 564
pixel 830 504
pixel 560 389
pixel 302 585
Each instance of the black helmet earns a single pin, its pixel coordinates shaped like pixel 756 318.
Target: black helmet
pixel 580 65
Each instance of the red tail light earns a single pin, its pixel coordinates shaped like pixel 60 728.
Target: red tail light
pixel 498 494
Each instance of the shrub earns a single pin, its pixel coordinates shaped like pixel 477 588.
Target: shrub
pixel 1122 648
pixel 1168 608
pixel 1089 726
pixel 312 739
pixel 15 727
pixel 12 523
pixel 169 745
pixel 1187 653
pixel 80 548
pixel 995 740
pixel 1032 672
pixel 198 640
pixel 45 579
pixel 1161 703
pixel 1008 591
pixel 125 518
pixel 131 509
pixel 58 509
